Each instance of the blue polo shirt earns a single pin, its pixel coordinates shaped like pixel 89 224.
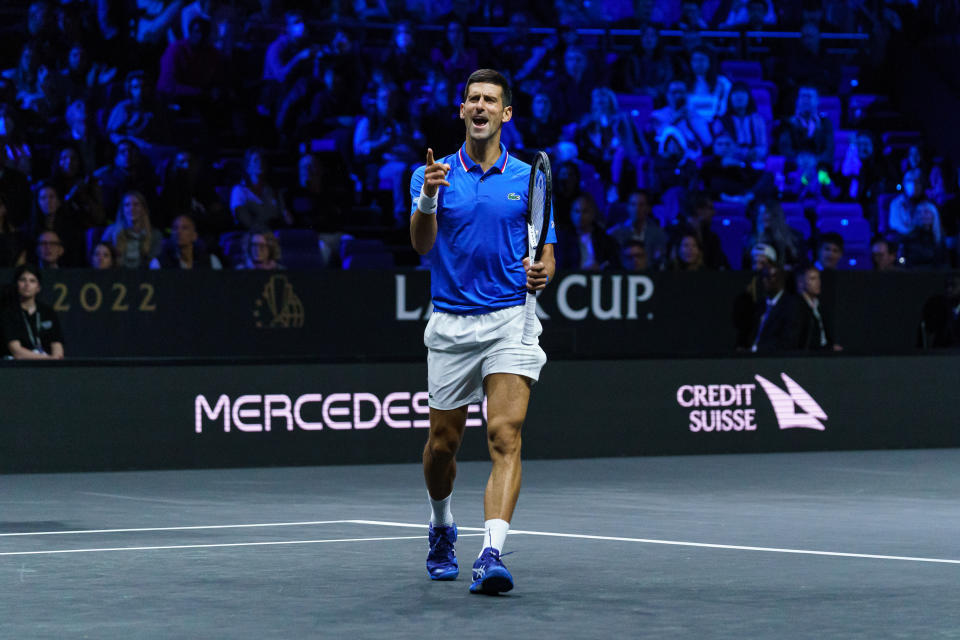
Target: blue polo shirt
pixel 476 263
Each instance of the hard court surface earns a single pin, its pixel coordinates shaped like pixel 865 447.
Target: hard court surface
pixel 817 545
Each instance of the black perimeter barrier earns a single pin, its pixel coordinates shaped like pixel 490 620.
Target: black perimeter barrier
pixel 114 415
pixel 380 315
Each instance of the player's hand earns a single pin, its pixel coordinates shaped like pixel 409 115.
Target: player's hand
pixel 434 175
pixel 536 275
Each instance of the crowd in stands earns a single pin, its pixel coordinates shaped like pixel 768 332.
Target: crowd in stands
pixel 229 134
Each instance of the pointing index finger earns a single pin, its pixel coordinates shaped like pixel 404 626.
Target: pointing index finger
pixel 429 156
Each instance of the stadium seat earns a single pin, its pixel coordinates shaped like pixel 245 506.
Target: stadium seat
pixel 633 104
pixel 883 210
pixel 855 231
pixel 302 249
pixel 856 259
pixel 792 209
pixel 732 230
pixel 832 109
pixel 730 209
pixel 857 106
pixel 799 224
pixel 365 253
pixel 745 70
pixel 839 210
pixel 842 138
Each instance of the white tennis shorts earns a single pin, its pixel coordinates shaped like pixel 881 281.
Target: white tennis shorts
pixel 463 350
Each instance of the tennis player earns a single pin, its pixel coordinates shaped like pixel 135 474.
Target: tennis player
pixel 469 216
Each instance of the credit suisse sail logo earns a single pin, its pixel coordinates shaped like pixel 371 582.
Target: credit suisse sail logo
pixel 732 407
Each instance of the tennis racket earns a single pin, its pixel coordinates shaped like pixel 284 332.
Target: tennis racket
pixel 538 222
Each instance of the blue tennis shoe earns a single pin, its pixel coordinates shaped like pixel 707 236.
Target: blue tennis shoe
pixel 442 559
pixel 489 574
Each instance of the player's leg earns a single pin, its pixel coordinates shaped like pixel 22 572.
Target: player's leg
pixel 439 454
pixel 507 397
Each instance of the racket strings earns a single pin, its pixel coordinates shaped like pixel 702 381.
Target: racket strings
pixel 538 201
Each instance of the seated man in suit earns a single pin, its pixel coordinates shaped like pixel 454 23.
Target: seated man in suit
pixel 780 324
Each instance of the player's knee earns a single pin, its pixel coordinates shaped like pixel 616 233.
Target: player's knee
pixel 442 446
pixel 503 438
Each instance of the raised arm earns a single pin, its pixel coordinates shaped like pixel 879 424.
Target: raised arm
pixel 423 223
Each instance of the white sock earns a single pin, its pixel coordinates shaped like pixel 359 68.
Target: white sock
pixel 441 515
pixel 496 534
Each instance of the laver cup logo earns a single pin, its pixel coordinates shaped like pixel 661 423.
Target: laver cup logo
pixel 732 407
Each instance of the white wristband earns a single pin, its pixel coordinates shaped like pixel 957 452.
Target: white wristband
pixel 425 203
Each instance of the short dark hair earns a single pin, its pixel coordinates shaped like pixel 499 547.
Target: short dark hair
pixel 27 268
pixel 831 237
pixel 493 77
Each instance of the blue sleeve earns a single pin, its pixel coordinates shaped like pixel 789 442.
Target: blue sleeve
pixel 416 184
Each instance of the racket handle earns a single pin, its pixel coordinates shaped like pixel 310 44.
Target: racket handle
pixel 530 320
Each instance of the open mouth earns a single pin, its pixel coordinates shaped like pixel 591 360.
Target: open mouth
pixel 480 121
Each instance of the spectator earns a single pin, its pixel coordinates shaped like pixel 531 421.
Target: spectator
pixel 404 58
pixel 15 189
pixel 453 56
pixel 700 222
pixel 261 251
pixel 686 253
pixel 731 179
pixel 771 229
pixel 829 251
pixel 186 190
pixel 82 134
pixel 679 120
pixel 49 214
pixel 815 335
pixel 864 176
pixel 24 75
pixel 253 202
pixel 572 89
pixel 649 70
pixel 745 125
pixel 318 104
pixel 138 117
pixel 639 227
pixel 691 15
pixel 634 256
pixel 903 208
pixel 884 254
pixel 941 317
pixel 309 203
pixel 49 250
pixel 708 89
pixel 31 328
pixel 811 180
pixel 567 189
pixel 134 238
pixel 210 10
pixel 923 247
pixel 435 123
pixel 12 251
pixel 15 153
pixel 103 256
pixel 81 193
pixel 184 249
pixel 588 248
pixel 288 55
pixel 384 145
pixel 749 14
pixel 809 64
pixel 608 141
pixel 780 325
pixel 49 98
pixel 806 130
pixel 190 69
pixel 542 130
pixel 83 79
pixel 128 172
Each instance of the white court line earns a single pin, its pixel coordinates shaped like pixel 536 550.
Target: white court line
pixel 212 546
pixel 705 545
pixel 207 526
pixel 835 554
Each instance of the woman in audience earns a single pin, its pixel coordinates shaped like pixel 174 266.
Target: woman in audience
pixel 686 253
pixel 708 89
pixel 50 214
pixel 134 238
pixel 745 125
pixel 103 256
pixel 261 251
pixel 253 202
